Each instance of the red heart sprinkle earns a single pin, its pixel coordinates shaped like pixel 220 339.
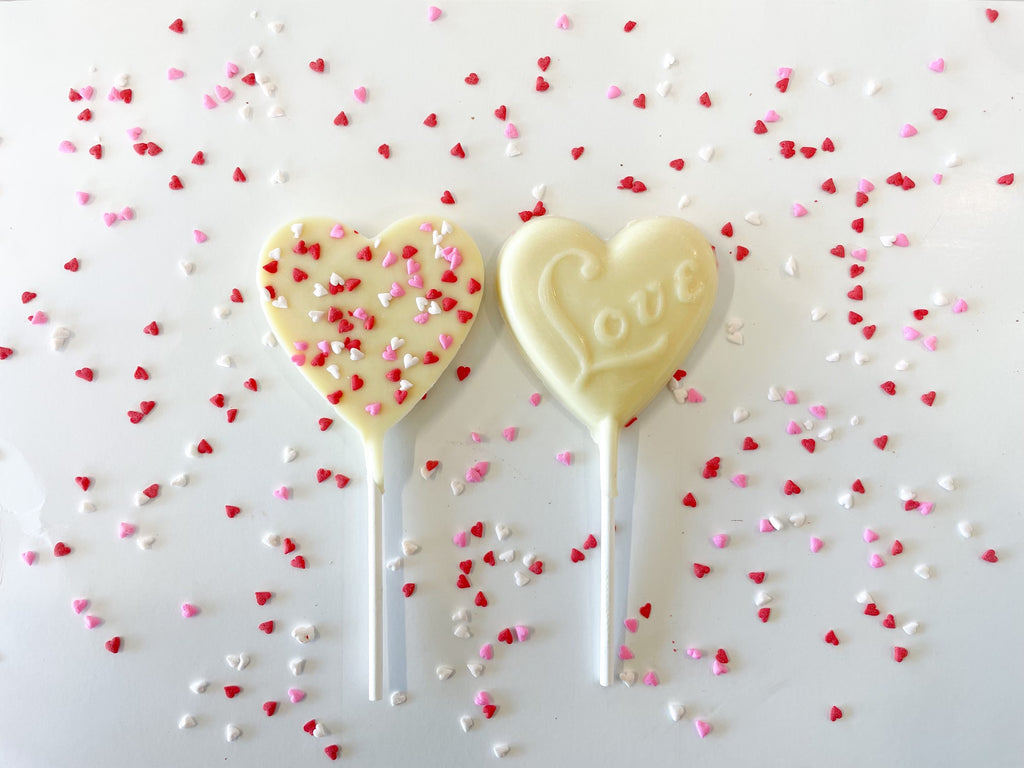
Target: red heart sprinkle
pixel 727 229
pixel 835 713
pixel 489 557
pixel 466 566
pixel 782 84
pixel 910 505
pixel 480 600
pixel 544 62
pixel 856 270
pixel 457 151
pixel 828 185
pixel 790 488
pixel 298 562
pixel 218 400
pixel 384 151
pixel 408 589
pixel 857 486
pixel 199 158
pixel 991 14
pixel 576 152
pixel 288 546
pixel 860 199
pixel 477 529
pixel 431 465
pixel 889 387
pixel 881 441
pixel 113 644
pixel 324 424
pixel 71 265
pixel 146 406
pixel 341 119
pixel 125 95
pixel 920 314
pixel 501 112
pixel 429 358
pixel 134 416
pixel 447 198
pixel 889 622
pixel 151 491
pixel 1006 179
pixel 309 726
pixel 640 102
pixel 472 78
pixel 431 120
pixel 721 656
pixel 704 99
pixel 152 329
pixel 5 352
pixel 871 610
pixel 204 447
pixel 689 500
pixel 250 384
pixel 857 225
pixel 230 415
pixel 626 182
pixel 895 179
pixel 322 474
pixel 96 150
pixel 262 597
pixel 756 576
pixel 700 570
pixel 317 65
pixel 84 373
pixel 839 251
pixel 749 444
pixel 175 183
pixel 827 145
pixel 232 690
pixel 177 26
pixel 928 398
pixel 541 84
pixel 83 483
pixel 238 175
pixel 590 542
pixel 639 186
pixel 74 95
pixel 899 653
pixel 341 480
pixel 270 707
pixel 575 555
pixel 808 152
pixel 764 613
pixel 742 252
pixel 629 26
pixel 677 164
pixel 505 636
pixel 868 331
pixel 989 556
pixel 231 510
pixel 831 638
pixel 462 372
pixel 332 751
pixel 537 567
pixel 808 444
pixel 153 149
pixel 462 582
pixel 266 627
pixel 85 115
pixel 760 127
pixel 489 709
pixel 60 549
pixel 472 286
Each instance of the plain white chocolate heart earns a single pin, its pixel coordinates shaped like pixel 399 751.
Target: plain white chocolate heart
pixel 371 324
pixel 606 324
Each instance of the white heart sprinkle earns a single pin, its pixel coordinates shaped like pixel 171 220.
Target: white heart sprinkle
pixel 628 676
pixel 316 315
pixel 405 385
pixel 826 78
pixel 663 88
pixel 676 711
pixel 421 304
pixel 845 500
pixel 965 529
pixel 762 598
pixel 245 111
pixel 502 531
pixel 397 343
pixel 297 666
pixel 860 357
pixel 141 499
pixel 86 507
pixel 753 217
pixel 833 357
pixel 394 564
pixel 705 153
pixel 854 420
pixel 180 480
pixel 443 671
pixel 679 395
pixel 225 361
pixel 319 290
pixel 683 202
pixel 59 338
pixel 734 337
pixel 901 365
pixel 462 631
pixel 887 240
pixel 538 192
pixel 457 487
pixel 288 454
pixel 740 414
pixel 275 254
pixel 774 395
pixel 521 579
pixel 907 494
pixel 791 268
pixel 434 308
pixel 199 686
pixel 466 723
pixel 817 313
pixel 410 360
pixel 145 542
pixel 232 732
pixel 304 633
pixel 864 597
pixel 529 558
pixel 776 522
pixel 269 339
pixel 500 750
pixel 275 26
pixel 297 229
pixel 232 660
pixel 475 668
pixel 276 110
pixel 409 547
pixel 385 299
pixel 953 161
pixel 446 228
pixel 187 267
pixel 272 540
pixel 797 519
pixel 337 347
pixel 946 482
pixel 319 731
pixel 460 615
pixel 187 721
pixel 940 299
pixel 336 279
pixel 923 571
pixel 334 370
pixel 398 698
pixel 278 177
pixel 668 61
pixel 871 87
pixel 911 627
pixel 512 149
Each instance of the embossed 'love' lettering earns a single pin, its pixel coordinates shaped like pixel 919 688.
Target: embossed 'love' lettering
pixel 606 324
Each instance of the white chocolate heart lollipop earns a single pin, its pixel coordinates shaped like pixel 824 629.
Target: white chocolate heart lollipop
pixel 371 324
pixel 605 325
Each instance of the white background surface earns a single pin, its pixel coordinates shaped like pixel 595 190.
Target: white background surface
pixel 66 701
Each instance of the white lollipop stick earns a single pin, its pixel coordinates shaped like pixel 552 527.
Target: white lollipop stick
pixel 608 447
pixel 374 564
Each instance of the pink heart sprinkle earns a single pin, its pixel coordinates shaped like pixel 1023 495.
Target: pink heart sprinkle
pixel 421 318
pixel 564 457
pixel 473 475
pixel 124 530
pixel 926 507
pixel 482 467
pixel 91 622
pixel 174 74
pixel 426 226
pixel 282 493
pixel 624 653
pixel 651 679
pixel 937 179
pixel 631 625
pixel 522 633
pixel 815 544
pixel 230 69
pixel 199 236
pixel 511 132
pixel 412 267
pixel 109 219
pixel 740 481
pixel 799 210
pixel 39 318
pixel 959 306
pixel 416 281
pixel 693 396
pixel 870 535
pixel 785 71
pixel 299 359
pixel 126 214
pixel 433 13
pixel 66 147
pixel 937 65
pixel 389 353
pixel 482 698
pixel 613 92
pixel 295 695
pixel 793 428
pixel 486 652
pixel 86 92
pixel 360 94
pixel 445 340
pixel 29 557
pixel 453 256
pixel 509 433
pixel 337 231
pixel 818 411
pixel 860 254
pixel 901 241
pixel 910 333
pixel 765 526
pixel 865 186
pixel 535 399
pixel 562 22
pixel 693 653
pixel 302 346
pixel 373 409
pixel 720 540
pixel 113 94
pixel 79 605
pixel 224 93
pixel 929 343
pixel 719 668
pixel 397 290
pixel 208 101
pixel 703 729
pixel 876 561
pixel 907 131
pixel 360 313
pixel 324 346
pixel 389 259
pixel 134 133
pixel 188 610
pixel 790 397
pixel 82 197
pixel 459 539
pixel 771 116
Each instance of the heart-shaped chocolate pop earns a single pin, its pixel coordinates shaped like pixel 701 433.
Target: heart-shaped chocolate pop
pixel 604 325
